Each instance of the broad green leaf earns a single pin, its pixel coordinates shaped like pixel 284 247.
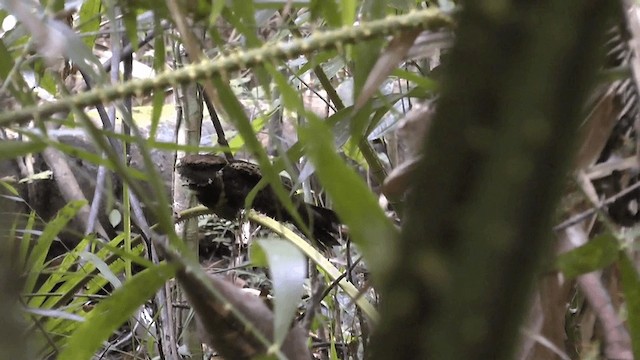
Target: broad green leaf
pixel 631 288
pixel 364 57
pixel 598 253
pixel 110 313
pixel 89 18
pixel 216 10
pixel 48 82
pixel 288 269
pixel 348 11
pixel 355 204
pixel 131 27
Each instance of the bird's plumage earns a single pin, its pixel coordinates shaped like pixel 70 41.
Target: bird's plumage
pixel 223 186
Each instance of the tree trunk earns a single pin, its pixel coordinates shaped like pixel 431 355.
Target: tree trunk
pixel 478 218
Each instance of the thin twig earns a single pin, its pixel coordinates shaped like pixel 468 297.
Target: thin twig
pixel 215 119
pixel 587 213
pixel 339 278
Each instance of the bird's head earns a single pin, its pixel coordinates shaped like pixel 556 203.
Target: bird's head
pixel 200 169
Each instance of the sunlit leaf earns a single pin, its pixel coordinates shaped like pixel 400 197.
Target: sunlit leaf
pixel 89 18
pixel 102 267
pixel 320 260
pixel 288 269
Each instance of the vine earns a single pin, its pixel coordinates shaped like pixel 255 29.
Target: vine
pixel 427 19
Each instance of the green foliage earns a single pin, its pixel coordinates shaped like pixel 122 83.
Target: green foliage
pixel 89 19
pixel 67 287
pixel 598 253
pixel 13 149
pixel 36 258
pixel 323 264
pixel 62 288
pixel 287 267
pixel 289 54
pixel 354 202
pixel 107 316
pixel 631 287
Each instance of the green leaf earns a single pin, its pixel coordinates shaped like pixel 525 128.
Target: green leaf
pixel 364 57
pixel 319 259
pixel 89 18
pixel 348 9
pixel 257 124
pixel 631 288
pixel 102 267
pixel 288 269
pixel 236 114
pixel 216 10
pixel 110 313
pixel 17 86
pixel 355 204
pixel 25 244
pixel 48 82
pixel 598 253
pixel 157 98
pixel 421 81
pixel 53 228
pixel 243 19
pixel 290 97
pixel 327 10
pixel 60 278
pixel 131 27
pixel 67 282
pixel 13 149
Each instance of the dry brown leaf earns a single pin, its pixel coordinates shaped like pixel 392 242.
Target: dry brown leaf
pixel 222 331
pixel 388 61
pixel 412 130
pixel 596 131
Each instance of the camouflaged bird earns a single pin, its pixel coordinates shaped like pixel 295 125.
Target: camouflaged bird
pixel 222 186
